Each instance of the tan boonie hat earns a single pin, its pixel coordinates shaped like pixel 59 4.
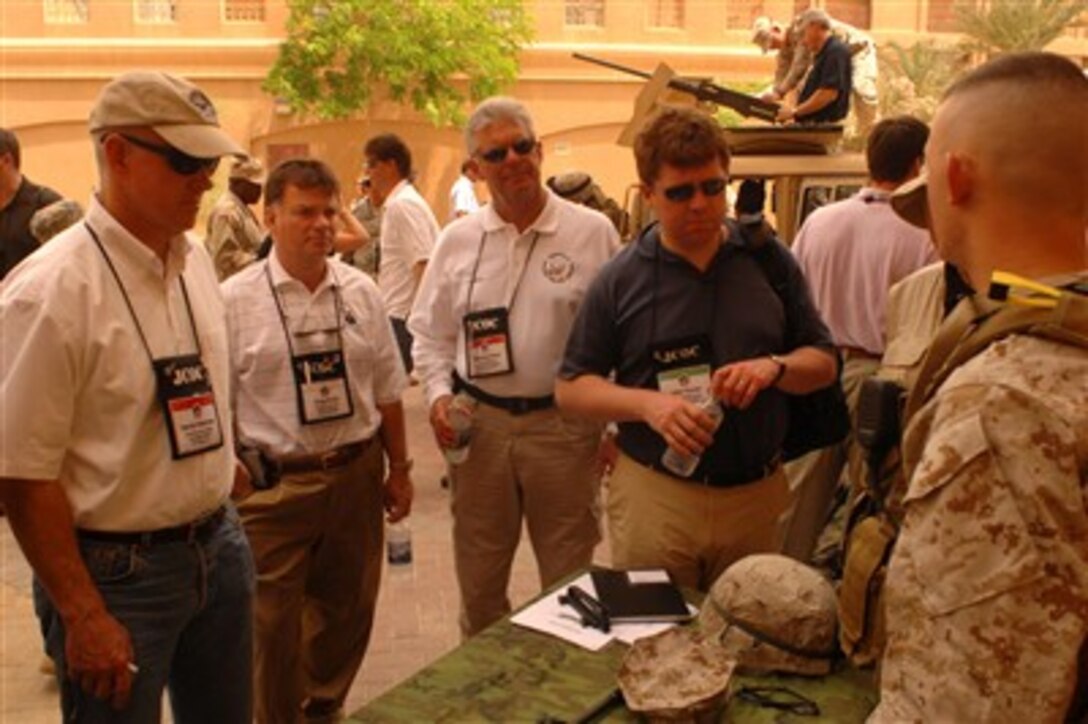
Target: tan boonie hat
pixel 172 107
pixel 248 169
pixel 910 203
pixel 675 676
pixel 761 32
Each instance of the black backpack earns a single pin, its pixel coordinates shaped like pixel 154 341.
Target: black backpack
pixel 819 419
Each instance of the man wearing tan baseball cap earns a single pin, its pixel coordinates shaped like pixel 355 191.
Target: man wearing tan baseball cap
pixel 234 233
pixel 116 448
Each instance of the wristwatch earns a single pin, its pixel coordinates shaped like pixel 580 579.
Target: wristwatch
pixel 781 369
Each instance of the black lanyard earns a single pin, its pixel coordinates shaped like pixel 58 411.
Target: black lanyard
pixel 476 268
pixel 128 302
pixel 337 310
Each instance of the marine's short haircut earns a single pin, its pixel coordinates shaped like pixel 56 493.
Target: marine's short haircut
pixel 1030 69
pixel 390 147
pixel 9 144
pixel 894 145
pixel 679 137
pixel 303 173
pixel 494 110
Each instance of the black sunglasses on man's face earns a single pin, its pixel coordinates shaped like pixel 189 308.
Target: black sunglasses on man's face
pixel 686 192
pixel 498 154
pixel 179 161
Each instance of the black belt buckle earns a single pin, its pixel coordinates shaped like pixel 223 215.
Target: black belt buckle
pixel 519 406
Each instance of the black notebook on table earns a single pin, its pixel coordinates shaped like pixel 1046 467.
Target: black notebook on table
pixel 639 595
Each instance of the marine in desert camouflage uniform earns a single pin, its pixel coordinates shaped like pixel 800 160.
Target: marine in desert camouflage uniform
pixel 234 233
pixel 987 592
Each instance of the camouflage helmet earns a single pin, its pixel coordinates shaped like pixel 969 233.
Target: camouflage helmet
pixel 54 218
pixel 675 675
pixel 772 613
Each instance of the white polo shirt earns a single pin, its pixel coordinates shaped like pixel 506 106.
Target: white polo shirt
pixel 77 392
pixel 851 253
pixel 409 230
pixel 571 244
pixel 265 404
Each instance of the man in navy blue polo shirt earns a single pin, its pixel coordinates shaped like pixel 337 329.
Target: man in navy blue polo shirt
pixel 825 97
pixel 684 318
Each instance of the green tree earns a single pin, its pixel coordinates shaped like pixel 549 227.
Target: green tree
pixel 913 78
pixel 435 54
pixel 1002 26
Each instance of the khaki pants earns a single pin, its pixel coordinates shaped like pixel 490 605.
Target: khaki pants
pixel 540 466
pixel 692 530
pixel 814 478
pixel 317 543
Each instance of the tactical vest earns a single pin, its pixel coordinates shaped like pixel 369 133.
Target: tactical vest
pixel 876 515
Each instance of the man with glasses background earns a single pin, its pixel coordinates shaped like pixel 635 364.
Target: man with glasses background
pixel 491 319
pixel 116 442
pixel 317 385
pixel 408 232
pixel 684 317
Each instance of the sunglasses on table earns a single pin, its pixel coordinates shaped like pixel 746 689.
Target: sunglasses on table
pixel 179 161
pixel 498 154
pixel 686 192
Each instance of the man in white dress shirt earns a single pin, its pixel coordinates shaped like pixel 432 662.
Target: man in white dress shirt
pixel 408 232
pixel 317 384
pixel 116 445
pixel 492 318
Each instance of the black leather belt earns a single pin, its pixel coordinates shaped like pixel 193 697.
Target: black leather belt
pixel 717 480
pixel 338 457
pixel 734 479
pixel 198 530
pixel 513 405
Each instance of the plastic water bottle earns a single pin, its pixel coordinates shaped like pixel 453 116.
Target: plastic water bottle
pixel 460 414
pixel 684 465
pixel 398 544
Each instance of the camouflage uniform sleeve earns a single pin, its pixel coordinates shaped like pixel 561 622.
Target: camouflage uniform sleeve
pixel 987 592
pixel 793 63
pixel 226 243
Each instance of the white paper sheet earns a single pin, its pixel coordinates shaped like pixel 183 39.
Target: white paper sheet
pixel 551 617
pixel 655 575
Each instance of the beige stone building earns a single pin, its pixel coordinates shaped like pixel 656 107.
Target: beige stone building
pixel 55 54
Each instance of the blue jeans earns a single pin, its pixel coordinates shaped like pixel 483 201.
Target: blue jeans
pixel 188 611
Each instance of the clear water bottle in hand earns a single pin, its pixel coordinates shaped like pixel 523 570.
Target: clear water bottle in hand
pixel 460 414
pixel 683 465
pixel 398 543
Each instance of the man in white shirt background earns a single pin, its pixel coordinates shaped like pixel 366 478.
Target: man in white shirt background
pixel 408 232
pixel 116 444
pixel 851 253
pixel 317 385
pixel 492 318
pixel 463 199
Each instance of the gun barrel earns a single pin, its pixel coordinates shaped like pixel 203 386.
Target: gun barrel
pixel 613 66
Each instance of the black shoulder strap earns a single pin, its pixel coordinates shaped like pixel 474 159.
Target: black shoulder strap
pixel 768 254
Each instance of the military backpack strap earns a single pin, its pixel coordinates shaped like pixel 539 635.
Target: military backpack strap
pixel 976 323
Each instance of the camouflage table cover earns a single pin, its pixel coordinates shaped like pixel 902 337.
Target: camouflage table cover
pixel 512 674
